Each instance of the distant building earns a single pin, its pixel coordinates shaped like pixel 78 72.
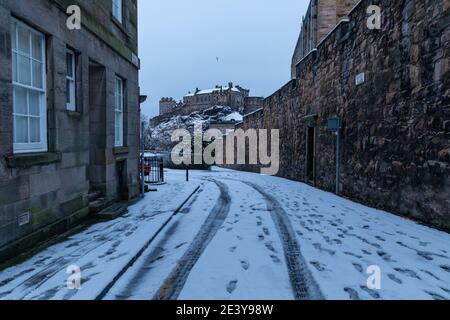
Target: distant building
pixel 235 97
pixel 322 16
pixel 69 115
pixel 168 105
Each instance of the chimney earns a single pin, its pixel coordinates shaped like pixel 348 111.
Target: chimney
pixel 230 85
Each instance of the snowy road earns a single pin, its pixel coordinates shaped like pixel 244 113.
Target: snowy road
pixel 234 235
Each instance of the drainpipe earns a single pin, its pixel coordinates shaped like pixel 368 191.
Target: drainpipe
pixel 142 99
pixel 338 160
pixel 335 126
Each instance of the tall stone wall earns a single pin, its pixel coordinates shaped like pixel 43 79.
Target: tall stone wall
pixel 320 18
pixel 53 187
pixel 396 125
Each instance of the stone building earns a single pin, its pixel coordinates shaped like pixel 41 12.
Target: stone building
pixel 391 90
pixel 235 97
pixel 167 105
pixel 321 18
pixel 69 115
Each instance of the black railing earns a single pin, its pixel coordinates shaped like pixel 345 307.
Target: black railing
pixel 153 170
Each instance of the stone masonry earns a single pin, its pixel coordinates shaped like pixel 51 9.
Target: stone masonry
pixel 396 120
pixel 52 188
pixel 320 19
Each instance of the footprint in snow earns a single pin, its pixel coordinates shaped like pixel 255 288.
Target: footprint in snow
pixel 352 254
pixel 358 267
pixel 245 264
pixel 435 296
pixel 430 274
pixel 372 293
pixel 394 278
pixel 232 249
pixel 409 273
pixel 352 293
pixel 429 255
pixel 446 290
pixel 180 245
pixel 270 247
pixel 445 268
pixel 232 285
pixel 319 247
pixel 316 264
pixel 275 259
pixel 385 256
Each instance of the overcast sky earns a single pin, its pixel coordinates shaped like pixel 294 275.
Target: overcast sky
pixel 185 44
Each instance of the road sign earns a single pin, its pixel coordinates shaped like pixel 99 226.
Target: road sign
pixel 334 124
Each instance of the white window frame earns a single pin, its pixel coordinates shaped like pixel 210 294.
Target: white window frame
pixel 117 8
pixel 30 147
pixel 118 111
pixel 71 94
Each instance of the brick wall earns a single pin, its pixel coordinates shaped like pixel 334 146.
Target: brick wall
pixel 396 125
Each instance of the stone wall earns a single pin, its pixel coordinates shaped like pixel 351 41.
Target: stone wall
pixel 396 125
pixel 320 19
pixel 252 104
pixel 53 187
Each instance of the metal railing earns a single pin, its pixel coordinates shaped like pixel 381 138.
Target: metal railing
pixel 153 170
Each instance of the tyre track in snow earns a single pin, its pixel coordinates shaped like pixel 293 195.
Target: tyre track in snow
pixel 303 284
pixel 173 285
pixel 131 262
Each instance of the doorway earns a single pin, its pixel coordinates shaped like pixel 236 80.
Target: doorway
pixel 311 154
pixel 121 180
pixel 97 127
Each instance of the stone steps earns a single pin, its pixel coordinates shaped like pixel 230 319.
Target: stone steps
pixel 94 195
pixel 97 205
pixel 112 212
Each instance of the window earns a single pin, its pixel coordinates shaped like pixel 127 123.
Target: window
pixel 117 9
pixel 71 80
pixel 118 126
pixel 29 85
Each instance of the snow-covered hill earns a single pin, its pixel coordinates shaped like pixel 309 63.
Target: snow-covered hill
pixel 159 135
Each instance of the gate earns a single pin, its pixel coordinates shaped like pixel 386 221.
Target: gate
pixel 153 169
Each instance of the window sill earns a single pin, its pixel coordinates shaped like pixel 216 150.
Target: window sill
pixel 120 150
pixel 74 114
pixel 119 24
pixel 32 159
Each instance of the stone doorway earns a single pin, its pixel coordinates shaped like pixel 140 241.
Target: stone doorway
pixel 121 180
pixel 311 154
pixel 97 127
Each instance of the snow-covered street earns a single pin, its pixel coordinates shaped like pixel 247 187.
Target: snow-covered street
pixel 235 235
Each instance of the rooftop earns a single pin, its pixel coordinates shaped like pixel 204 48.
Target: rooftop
pixel 209 91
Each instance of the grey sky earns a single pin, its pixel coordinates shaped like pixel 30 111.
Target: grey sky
pixel 180 41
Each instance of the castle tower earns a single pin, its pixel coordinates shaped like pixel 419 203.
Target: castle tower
pixel 167 105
